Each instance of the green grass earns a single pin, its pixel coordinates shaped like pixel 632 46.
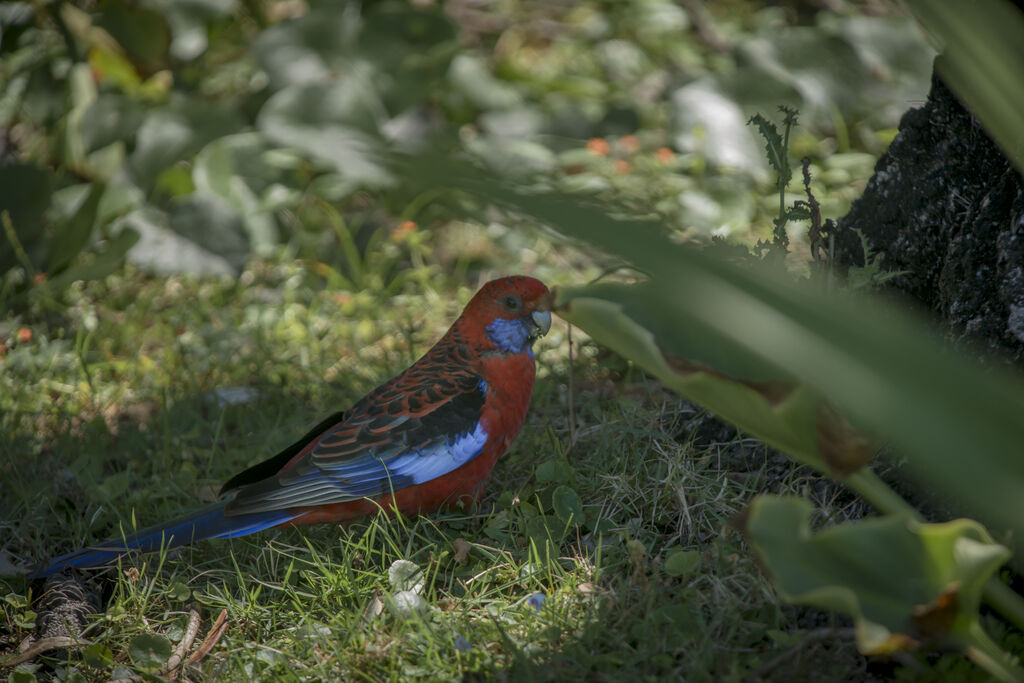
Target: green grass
pixel 108 420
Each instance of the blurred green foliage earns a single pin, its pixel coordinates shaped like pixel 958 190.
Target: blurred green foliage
pixel 207 136
pixel 188 137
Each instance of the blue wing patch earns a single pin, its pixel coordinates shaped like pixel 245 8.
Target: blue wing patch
pixel 373 473
pixel 450 457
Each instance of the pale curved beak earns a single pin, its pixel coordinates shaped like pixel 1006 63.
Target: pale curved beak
pixel 541 322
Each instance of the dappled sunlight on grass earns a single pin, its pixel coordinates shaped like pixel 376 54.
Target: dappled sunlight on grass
pixel 138 428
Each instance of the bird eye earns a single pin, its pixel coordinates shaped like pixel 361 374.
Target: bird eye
pixel 512 303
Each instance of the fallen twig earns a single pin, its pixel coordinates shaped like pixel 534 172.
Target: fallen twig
pixel 216 631
pixel 41 646
pixel 171 668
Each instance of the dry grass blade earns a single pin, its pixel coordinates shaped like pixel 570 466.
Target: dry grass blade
pixel 216 631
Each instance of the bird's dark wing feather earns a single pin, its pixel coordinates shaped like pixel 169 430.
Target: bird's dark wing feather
pixel 417 427
pixel 272 466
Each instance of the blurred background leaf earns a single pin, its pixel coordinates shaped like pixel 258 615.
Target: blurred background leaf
pixel 982 59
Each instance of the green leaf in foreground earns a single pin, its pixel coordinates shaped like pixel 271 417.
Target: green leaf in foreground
pixel 553 471
pixel 567 505
pixel 149 651
pixel 98 655
pixel 906 584
pixel 681 562
pixel 638 323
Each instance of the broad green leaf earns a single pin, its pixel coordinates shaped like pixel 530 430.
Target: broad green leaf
pixel 73 234
pixel 25 193
pixel 546 532
pixel 567 505
pixel 162 251
pixel 110 118
pixel 174 132
pixel 637 322
pixel 141 31
pixel 112 66
pixel 406 49
pixel 109 258
pixel 355 155
pixel 98 655
pixel 149 651
pixel 15 600
pixel 410 46
pixel 22 675
pixel 243 155
pixel 235 168
pixel 905 583
pixel 188 24
pixel 214 225
pixel 309 48
pixel 73 675
pixel 681 562
pixel 351 101
pixel 710 123
pixel 179 591
pixel 406 603
pixel 472 79
pixel 553 471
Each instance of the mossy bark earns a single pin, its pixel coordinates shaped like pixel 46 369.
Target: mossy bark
pixel 947 206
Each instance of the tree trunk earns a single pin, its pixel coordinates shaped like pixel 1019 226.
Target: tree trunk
pixel 947 206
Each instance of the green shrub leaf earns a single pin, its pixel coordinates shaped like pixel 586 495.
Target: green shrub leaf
pixel 905 583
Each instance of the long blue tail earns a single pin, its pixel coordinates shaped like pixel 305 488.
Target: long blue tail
pixel 210 522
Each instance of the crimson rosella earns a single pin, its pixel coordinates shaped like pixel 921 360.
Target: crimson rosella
pixel 419 442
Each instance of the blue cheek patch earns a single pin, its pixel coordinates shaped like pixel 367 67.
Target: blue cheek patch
pixel 511 336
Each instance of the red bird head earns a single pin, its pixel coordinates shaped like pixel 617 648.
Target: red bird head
pixel 507 314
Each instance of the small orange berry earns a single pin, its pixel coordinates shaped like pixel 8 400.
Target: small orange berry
pixel 665 155
pixel 629 143
pixel 3 350
pixel 39 279
pixel 24 335
pixel 403 230
pixel 599 146
pixel 342 298
pixel 623 166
